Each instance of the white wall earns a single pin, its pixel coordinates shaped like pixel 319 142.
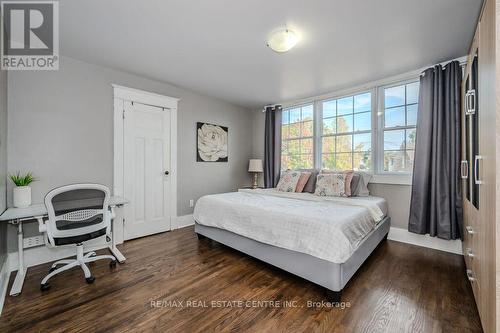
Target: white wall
pixel 61 128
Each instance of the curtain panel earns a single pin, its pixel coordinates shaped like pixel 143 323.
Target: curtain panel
pixel 272 148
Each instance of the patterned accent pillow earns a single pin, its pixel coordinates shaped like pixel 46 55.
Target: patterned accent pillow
pixel 288 181
pixel 349 174
pixel 330 184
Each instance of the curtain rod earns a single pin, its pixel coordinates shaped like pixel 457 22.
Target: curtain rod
pixel 270 106
pixel 461 63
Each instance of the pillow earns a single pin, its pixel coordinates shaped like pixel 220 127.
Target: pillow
pixel 362 188
pixel 311 183
pixel 348 179
pixel 355 184
pixel 330 184
pixel 304 177
pixel 288 181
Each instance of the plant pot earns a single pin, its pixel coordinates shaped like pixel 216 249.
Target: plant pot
pixel 22 196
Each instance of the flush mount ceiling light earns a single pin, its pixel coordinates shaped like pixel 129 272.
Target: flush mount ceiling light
pixel 282 40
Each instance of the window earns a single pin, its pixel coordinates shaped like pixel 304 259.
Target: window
pixel 297 134
pixel 399 127
pixel 347 132
pixel 346 141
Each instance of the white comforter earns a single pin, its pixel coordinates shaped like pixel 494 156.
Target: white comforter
pixel 328 228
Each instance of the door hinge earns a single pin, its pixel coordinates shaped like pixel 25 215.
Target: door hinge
pixel 123 113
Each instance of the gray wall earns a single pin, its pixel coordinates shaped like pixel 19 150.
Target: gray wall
pixel 61 128
pixel 3 164
pixel 397 196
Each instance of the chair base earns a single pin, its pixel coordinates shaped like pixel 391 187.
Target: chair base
pixel 80 260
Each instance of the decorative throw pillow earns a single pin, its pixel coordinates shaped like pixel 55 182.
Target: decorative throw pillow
pixel 288 181
pixel 347 181
pixel 311 183
pixel 304 177
pixel 330 184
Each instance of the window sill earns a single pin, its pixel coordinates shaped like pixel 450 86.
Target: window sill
pixel 392 179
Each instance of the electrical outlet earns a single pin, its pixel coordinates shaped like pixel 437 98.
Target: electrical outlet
pixel 191 203
pixel 33 241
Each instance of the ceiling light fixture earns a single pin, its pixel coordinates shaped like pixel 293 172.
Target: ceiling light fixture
pixel 282 40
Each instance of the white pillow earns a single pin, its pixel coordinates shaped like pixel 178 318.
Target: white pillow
pixel 288 181
pixel 330 184
pixel 364 179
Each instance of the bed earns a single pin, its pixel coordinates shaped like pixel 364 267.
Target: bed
pixel 294 231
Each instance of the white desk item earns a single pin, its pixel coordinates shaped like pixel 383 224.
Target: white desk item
pixel 16 216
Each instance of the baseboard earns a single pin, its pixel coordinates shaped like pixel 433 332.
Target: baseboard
pixel 404 236
pixel 4 282
pixel 184 221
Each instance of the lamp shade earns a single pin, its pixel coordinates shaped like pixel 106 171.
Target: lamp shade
pixel 255 166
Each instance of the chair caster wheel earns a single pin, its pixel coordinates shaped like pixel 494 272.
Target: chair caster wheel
pixel 90 280
pixel 44 286
pixel 52 269
pixel 112 264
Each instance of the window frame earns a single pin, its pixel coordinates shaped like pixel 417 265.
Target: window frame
pixel 377 130
pixel 405 176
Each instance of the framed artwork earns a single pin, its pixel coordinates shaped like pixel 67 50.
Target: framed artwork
pixel 211 143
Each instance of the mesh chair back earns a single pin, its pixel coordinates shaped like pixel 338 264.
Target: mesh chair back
pixel 77 209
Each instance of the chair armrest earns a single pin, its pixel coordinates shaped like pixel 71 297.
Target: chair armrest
pixel 42 227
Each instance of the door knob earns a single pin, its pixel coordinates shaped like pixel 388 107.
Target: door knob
pixel 167 173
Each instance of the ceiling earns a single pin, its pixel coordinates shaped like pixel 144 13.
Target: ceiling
pixel 218 47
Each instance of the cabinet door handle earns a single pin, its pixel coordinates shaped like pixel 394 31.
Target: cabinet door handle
pixel 469 229
pixel 470 276
pixel 469 253
pixel 477 181
pixel 464 169
pixel 470 102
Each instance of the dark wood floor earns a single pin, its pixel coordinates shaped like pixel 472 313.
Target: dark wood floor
pixel 401 288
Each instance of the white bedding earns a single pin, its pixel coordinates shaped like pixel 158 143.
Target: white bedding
pixel 328 228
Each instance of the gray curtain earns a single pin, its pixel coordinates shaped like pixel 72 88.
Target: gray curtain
pixel 272 149
pixel 436 200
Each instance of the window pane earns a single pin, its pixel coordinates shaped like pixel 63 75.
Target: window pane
pixel 394 96
pixel 363 121
pixel 394 160
pixel 394 140
pixel 410 155
pixel 329 126
pixel 412 93
pixel 344 105
pixel 307 112
pixel 306 162
pixel 328 144
pixel 344 124
pixel 362 160
pixel 284 162
pixel 363 142
pixel 411 137
pixel 394 117
pixel 344 143
pixel 284 147
pixel 411 114
pixel 294 130
pixel 328 161
pixel 285 117
pixel 343 161
pixel 294 115
pixel 363 102
pixel 307 129
pixel 306 146
pixel 329 109
pixel 294 147
pixel 285 132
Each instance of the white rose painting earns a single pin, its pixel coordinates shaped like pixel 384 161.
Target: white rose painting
pixel 211 143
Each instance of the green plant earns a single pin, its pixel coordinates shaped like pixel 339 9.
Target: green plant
pixel 22 180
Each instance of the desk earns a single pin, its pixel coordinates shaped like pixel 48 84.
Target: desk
pixel 16 216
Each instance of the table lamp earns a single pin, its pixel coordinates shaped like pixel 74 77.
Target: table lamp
pixel 255 166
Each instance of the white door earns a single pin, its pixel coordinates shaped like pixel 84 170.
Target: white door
pixel 146 169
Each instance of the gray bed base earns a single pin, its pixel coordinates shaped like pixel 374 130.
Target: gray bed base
pixel 327 274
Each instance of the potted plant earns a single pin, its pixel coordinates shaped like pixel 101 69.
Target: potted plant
pixel 22 191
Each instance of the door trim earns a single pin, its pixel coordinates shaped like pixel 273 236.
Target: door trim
pixel 123 94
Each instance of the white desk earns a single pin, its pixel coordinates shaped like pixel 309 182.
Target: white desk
pixel 16 216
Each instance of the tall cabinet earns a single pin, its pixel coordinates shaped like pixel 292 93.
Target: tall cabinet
pixel 479 188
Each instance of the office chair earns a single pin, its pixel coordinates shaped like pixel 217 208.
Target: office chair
pixel 76 213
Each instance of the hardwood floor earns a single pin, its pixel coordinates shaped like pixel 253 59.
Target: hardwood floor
pixel 401 288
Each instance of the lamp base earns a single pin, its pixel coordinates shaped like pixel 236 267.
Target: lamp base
pixel 254 184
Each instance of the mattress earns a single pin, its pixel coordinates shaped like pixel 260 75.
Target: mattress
pixel 328 228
